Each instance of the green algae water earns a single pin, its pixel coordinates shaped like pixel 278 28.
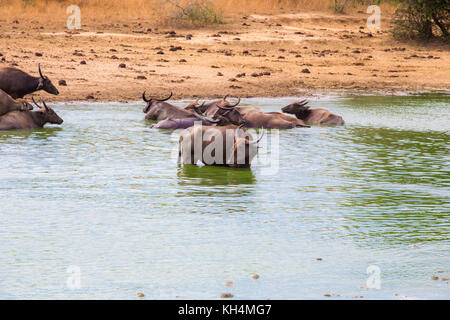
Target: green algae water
pixel 101 195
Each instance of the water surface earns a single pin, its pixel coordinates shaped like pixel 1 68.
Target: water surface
pixel 102 193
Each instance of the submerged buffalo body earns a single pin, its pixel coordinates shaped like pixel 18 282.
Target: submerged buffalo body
pixel 272 120
pixel 317 116
pixel 27 120
pixel 8 104
pixel 17 83
pixel 219 146
pixel 173 124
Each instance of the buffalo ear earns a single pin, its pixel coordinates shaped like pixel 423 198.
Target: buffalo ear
pixel 40 84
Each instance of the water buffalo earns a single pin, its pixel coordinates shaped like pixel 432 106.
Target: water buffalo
pixel 159 109
pixel 317 116
pixel 17 83
pixel 252 116
pixel 270 121
pixel 8 104
pixel 219 146
pixel 211 108
pixel 27 120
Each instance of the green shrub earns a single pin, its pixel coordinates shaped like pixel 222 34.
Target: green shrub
pixel 422 19
pixel 197 12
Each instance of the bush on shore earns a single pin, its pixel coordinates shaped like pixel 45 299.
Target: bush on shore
pixel 422 20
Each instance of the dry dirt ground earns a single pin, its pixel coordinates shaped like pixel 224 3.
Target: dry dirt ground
pixel 274 55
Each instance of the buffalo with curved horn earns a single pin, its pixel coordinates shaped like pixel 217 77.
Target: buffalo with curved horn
pixel 27 120
pixel 220 146
pixel 160 109
pixel 18 83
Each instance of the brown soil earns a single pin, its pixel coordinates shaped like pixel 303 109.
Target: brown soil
pixel 275 55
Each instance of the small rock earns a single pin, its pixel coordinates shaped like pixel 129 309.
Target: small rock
pixel 434 278
pixel 319 259
pixel 38 54
pixel 160 52
pixel 141 77
pixel 229 283
pixel 122 65
pixel 189 37
pixel 62 83
pixel 306 71
pixel 219 74
pixel 182 60
pixel 83 62
pixel 226 295
pixel 327 295
pixel 89 97
pixel 140 295
pixel 255 276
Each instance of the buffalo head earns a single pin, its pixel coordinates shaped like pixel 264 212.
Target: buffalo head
pixel 25 105
pixel 45 83
pixel 225 109
pixel 151 101
pixel 298 108
pixel 48 114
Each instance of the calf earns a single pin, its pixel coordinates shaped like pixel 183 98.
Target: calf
pixel 8 104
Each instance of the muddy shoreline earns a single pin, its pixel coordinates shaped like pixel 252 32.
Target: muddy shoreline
pixel 297 55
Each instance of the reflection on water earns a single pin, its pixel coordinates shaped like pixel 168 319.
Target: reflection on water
pixel 103 193
pixel 214 176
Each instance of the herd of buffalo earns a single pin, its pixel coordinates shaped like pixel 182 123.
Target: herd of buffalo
pixel 219 116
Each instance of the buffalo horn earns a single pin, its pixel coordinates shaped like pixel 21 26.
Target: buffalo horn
pixel 259 138
pixel 162 100
pixel 40 72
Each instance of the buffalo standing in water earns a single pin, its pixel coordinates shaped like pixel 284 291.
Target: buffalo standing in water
pixel 317 116
pixel 17 83
pixel 219 146
pixel 27 120
pixel 8 104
